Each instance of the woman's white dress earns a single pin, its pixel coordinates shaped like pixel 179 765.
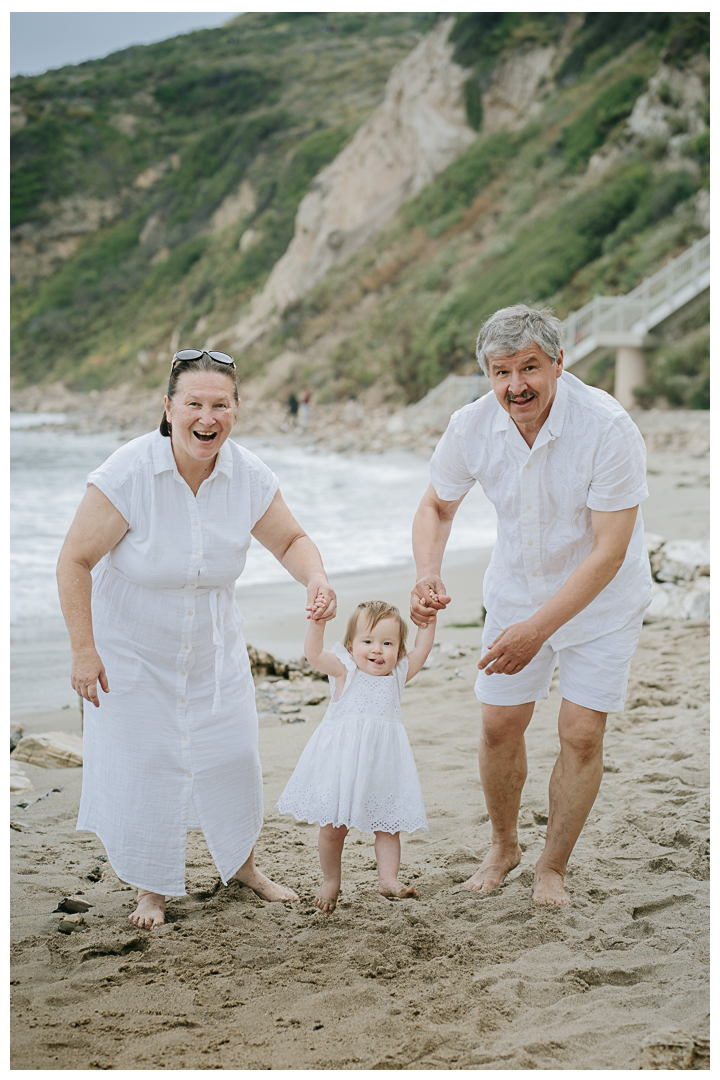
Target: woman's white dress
pixel 173 745
pixel 358 768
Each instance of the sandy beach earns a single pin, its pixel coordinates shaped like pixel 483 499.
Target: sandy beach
pixel 449 981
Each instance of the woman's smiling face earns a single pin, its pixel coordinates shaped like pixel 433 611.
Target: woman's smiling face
pixel 202 413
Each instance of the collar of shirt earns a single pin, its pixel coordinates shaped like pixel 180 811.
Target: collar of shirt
pixel 164 459
pixel 551 429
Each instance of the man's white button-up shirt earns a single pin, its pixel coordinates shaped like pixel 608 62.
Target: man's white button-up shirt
pixel 589 455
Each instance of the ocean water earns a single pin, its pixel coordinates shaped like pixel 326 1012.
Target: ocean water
pixel 358 510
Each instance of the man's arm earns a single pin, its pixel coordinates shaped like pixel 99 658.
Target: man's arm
pixel 431 529
pixel 516 645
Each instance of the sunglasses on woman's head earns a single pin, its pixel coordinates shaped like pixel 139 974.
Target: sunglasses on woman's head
pixel 186 355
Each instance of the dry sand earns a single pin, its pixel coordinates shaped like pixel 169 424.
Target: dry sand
pixel 452 980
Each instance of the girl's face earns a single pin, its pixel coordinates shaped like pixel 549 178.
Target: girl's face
pixel 376 651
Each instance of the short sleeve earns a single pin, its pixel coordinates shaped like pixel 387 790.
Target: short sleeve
pixel 345 658
pixel 262 483
pixel 619 473
pixel 400 671
pixel 449 472
pixel 115 484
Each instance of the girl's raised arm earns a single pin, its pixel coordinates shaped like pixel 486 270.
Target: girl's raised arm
pixel 421 650
pixel 319 657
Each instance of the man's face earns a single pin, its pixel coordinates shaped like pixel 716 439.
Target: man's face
pixel 525 384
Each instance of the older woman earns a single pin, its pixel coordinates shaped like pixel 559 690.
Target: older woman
pixel 146 578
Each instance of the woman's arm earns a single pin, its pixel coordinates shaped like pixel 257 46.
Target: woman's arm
pixel 423 645
pixel 96 529
pixel 278 531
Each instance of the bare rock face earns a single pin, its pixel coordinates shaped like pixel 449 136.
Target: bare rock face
pixel 417 131
pixel 37 250
pixel 508 101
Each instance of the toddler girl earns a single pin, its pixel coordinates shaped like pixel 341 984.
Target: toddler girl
pixel 357 770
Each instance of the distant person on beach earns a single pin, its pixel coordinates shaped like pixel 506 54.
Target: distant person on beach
pixel 357 771
pixel 293 405
pixel 569 577
pixel 305 408
pixel 147 585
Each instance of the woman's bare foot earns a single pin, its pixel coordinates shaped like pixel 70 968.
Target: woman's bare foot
pixel 395 890
pixel 326 898
pixel 150 910
pixel 548 888
pixel 263 887
pixel 494 868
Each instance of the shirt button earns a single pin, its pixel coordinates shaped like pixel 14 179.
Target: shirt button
pixel 527 466
pixel 189 612
pixel 183 701
pixel 534 574
pixel 529 506
pixel 185 738
pixel 530 543
pixel 197 522
pixel 187 648
pixel 189 775
pixel 198 554
pixel 183 672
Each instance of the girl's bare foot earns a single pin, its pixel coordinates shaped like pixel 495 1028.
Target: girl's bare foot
pixel 548 888
pixel 395 890
pixel 150 910
pixel 263 887
pixel 326 898
pixel 494 868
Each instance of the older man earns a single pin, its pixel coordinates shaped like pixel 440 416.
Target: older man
pixel 569 577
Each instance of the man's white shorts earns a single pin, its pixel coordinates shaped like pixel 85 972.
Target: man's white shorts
pixel 593 674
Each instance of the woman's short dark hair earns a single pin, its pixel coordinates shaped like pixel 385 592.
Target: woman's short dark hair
pixel 205 363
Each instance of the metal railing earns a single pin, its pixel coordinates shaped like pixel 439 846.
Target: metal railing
pixel 639 311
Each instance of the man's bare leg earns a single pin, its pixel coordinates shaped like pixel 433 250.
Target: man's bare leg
pixel 331 840
pixel 150 910
pixel 503 770
pixel 249 875
pixel 574 785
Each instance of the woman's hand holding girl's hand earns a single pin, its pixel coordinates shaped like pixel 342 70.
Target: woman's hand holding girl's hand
pixel 86 670
pixel 321 600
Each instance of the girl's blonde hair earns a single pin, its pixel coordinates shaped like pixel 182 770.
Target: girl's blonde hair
pixel 373 612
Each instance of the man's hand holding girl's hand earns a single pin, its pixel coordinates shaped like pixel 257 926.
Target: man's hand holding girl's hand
pixel 321 601
pixel 427 598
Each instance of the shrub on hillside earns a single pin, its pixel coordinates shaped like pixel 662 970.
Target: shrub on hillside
pixel 680 374
pixel 586 134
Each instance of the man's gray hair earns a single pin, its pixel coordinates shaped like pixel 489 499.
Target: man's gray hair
pixel 512 329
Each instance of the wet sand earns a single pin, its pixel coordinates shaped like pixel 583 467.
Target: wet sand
pixel 449 981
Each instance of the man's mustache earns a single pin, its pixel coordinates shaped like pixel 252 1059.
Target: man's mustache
pixel 519 397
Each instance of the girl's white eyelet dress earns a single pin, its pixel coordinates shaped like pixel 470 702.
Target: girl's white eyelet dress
pixel 358 768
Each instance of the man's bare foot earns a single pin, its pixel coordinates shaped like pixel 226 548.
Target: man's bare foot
pixel 395 890
pixel 326 898
pixel 548 888
pixel 263 887
pixel 494 868
pixel 150 910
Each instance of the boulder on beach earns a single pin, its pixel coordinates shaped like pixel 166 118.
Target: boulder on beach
pixel 51 750
pixel 19 781
pixel 684 560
